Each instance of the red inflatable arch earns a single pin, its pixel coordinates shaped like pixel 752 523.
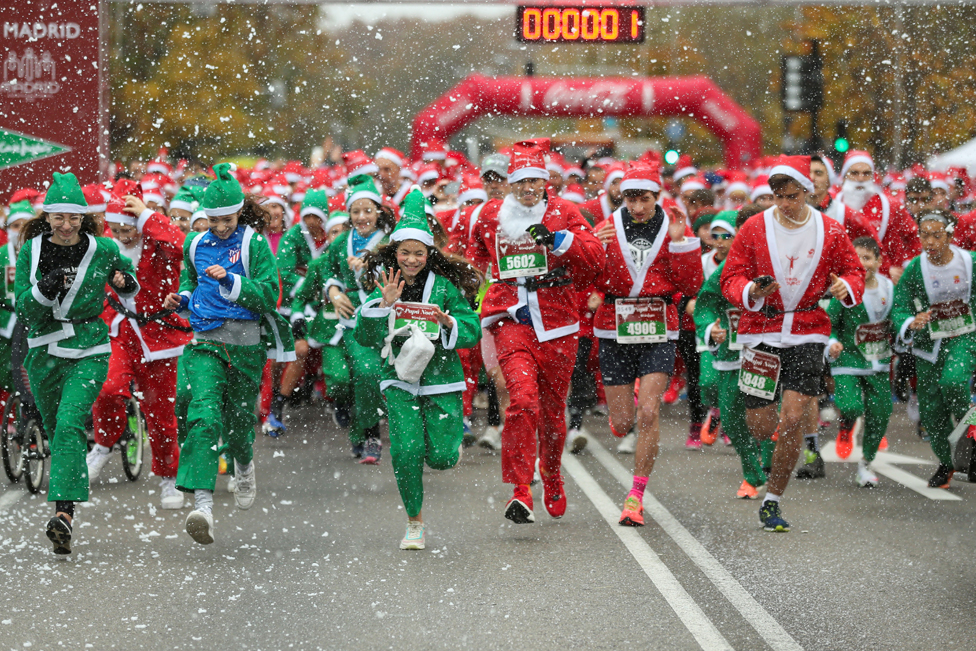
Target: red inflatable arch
pixel 694 97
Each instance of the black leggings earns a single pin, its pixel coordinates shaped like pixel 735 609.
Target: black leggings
pixel 582 392
pixel 688 349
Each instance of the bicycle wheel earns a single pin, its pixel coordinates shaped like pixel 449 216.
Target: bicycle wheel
pixel 11 440
pixel 35 456
pixel 133 441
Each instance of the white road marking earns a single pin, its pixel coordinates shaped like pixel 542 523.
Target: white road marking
pixel 690 614
pixel 10 498
pixel 884 464
pixel 757 616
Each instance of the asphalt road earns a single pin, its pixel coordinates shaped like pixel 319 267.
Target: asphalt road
pixel 316 564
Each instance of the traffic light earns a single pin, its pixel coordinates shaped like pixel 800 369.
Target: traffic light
pixel 803 84
pixel 841 141
pixel 671 157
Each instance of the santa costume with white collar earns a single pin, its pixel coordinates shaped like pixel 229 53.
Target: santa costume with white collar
pixel 546 252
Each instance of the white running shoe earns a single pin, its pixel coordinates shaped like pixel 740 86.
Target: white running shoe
pixel 628 444
pixel 415 537
pixel 246 489
pixel 865 477
pixel 491 439
pixel 912 409
pixel 231 484
pixel 576 440
pixel 172 498
pixel 96 460
pixel 536 476
pixel 200 526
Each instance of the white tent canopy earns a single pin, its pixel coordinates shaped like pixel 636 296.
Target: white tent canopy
pixel 962 156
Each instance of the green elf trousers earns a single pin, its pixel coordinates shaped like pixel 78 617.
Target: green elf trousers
pixel 65 390
pixel 943 391
pixel 335 371
pixel 708 380
pixel 422 429
pixel 868 396
pixel 733 412
pixel 366 375
pixel 225 393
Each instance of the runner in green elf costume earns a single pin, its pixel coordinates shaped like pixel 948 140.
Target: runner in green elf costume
pixel 862 383
pixel 371 226
pixel 17 215
pixel 323 328
pixel 229 287
pixel 712 312
pixel 425 410
pixel 60 288
pixel 935 297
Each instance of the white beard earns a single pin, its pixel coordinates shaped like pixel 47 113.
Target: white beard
pixel 514 218
pixel 134 253
pixel 856 194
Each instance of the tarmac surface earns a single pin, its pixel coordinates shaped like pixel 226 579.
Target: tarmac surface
pixel 315 563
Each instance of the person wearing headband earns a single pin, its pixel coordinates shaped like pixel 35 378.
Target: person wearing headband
pixel 933 312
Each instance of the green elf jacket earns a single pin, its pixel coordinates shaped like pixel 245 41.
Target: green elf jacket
pixel 711 305
pixel 296 251
pixel 339 273
pixel 444 373
pixel 844 322
pixel 8 315
pixel 312 303
pixel 70 328
pixel 912 297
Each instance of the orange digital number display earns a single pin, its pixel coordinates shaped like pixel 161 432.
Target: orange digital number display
pixel 590 24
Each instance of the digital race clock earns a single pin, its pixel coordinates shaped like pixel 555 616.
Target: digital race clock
pixel 580 24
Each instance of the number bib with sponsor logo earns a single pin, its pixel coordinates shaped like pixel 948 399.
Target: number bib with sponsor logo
pixel 641 320
pixel 950 319
pixel 733 335
pixel 422 315
pixel 519 258
pixel 874 340
pixel 759 373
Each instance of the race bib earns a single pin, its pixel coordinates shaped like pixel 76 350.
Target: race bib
pixel 759 373
pixel 874 340
pixel 522 257
pixel 641 320
pixel 733 335
pixel 422 315
pixel 950 319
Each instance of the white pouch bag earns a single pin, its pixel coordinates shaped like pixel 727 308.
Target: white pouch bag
pixel 415 354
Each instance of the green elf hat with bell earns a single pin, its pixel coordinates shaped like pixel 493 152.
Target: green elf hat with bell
pixel 316 203
pixel 224 195
pixel 413 220
pixel 65 195
pixel 362 186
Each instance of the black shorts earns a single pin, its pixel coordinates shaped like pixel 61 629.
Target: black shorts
pixel 621 364
pixel 801 370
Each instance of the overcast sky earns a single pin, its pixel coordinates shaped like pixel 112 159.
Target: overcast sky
pixel 338 16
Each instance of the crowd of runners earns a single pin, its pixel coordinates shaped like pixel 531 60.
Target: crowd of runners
pixel 407 291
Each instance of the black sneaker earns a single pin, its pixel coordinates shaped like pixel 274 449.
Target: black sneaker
pixel 813 466
pixel 770 516
pixel 357 451
pixel 59 533
pixel 942 477
pixel 372 451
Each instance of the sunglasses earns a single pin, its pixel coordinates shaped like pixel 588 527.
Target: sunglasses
pixel 722 236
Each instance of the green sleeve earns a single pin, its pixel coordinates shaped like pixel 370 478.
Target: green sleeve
pixel 372 322
pixel 835 310
pixel 30 309
pixel 310 291
pixel 188 276
pixel 287 258
pixel 336 261
pixel 710 305
pixel 467 329
pixel 908 287
pixel 259 292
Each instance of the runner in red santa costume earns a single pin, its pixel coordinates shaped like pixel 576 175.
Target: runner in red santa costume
pixel 651 255
pixel 853 221
pixel 540 248
pixel 897 231
pixel 781 264
pixel 146 339
pixel 608 201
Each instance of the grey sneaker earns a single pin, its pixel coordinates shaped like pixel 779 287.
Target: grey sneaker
pixel 246 488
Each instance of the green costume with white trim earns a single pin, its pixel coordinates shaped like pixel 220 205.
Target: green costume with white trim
pixel 862 387
pixel 426 417
pixel 944 366
pixel 8 316
pixel 69 345
pixel 297 249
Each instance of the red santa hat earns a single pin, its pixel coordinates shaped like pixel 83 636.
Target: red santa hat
pixel 298 194
pixel 573 170
pixel 428 172
pixel 555 163
pixel 321 178
pixel 528 160
pixel 96 196
pixel 641 177
pixel 471 189
pixel 270 196
pixel 262 164
pixel 693 182
pixel 279 185
pixel 160 165
pixel 115 212
pixel 574 192
pixel 456 159
pixel 760 187
pixel 853 157
pixel 614 172
pixel 651 158
pixel 795 167
pixel 434 151
pixel 125 187
pixel 391 154
pixel 357 163
pixel 26 194
pixel 938 180
pixel 294 171
pixel 152 190
pixel 684 168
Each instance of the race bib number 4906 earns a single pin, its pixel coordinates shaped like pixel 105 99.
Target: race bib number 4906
pixel 422 315
pixel 759 373
pixel 641 320
pixel 522 257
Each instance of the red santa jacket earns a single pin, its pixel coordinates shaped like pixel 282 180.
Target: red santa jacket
pixel 599 207
pixel 754 253
pixel 964 235
pixel 458 230
pixel 853 221
pixel 554 308
pixel 668 269
pixel 897 231
pixel 158 273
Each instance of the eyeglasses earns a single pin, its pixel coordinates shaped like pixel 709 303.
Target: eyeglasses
pixel 917 199
pixel 58 219
pixel 722 236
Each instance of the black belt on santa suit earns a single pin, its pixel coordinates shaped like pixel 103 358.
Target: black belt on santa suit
pixel 144 319
pixel 558 277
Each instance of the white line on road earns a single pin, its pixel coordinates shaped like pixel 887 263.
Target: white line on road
pixel 757 616
pixel 884 464
pixel 690 614
pixel 10 498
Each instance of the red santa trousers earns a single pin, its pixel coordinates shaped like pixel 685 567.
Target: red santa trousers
pixel 537 376
pixel 471 362
pixel 156 382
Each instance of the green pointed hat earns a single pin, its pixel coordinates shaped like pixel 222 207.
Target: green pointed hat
pixel 224 195
pixel 338 217
pixel 20 210
pixel 413 219
pixel 188 198
pixel 316 203
pixel 725 220
pixel 65 195
pixel 362 186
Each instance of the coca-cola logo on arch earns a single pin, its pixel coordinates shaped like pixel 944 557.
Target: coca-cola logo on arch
pixel 29 76
pixel 608 97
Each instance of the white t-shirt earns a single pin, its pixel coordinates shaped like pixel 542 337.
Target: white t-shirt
pixel 877 301
pixel 796 250
pixel 949 282
pixel 709 266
